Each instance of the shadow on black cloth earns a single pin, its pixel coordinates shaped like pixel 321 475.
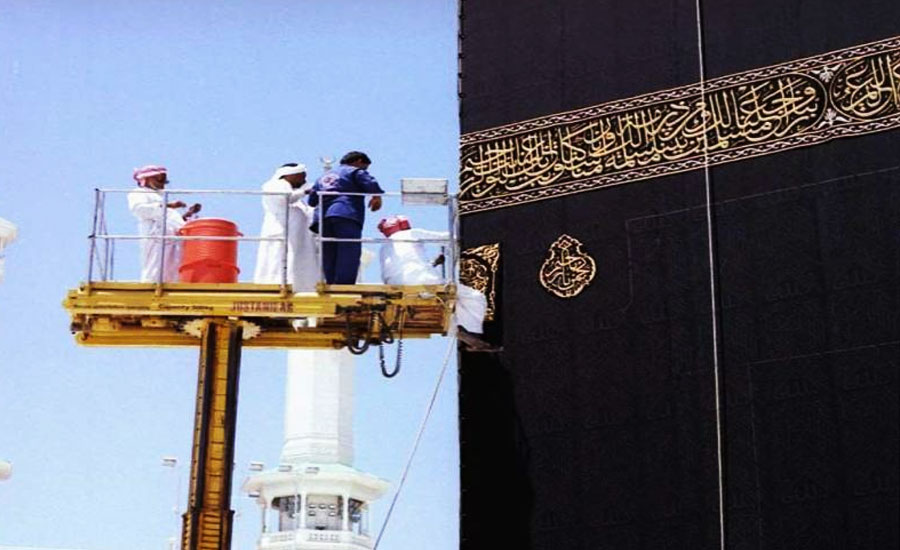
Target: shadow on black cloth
pixel 497 497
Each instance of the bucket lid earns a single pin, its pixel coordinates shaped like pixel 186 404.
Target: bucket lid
pixel 224 227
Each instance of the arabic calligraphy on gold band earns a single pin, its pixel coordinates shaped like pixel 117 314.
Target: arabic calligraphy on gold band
pixel 478 270
pixel 568 269
pixel 797 104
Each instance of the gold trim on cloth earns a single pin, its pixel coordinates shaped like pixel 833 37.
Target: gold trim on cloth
pixel 568 269
pixel 478 269
pixel 797 104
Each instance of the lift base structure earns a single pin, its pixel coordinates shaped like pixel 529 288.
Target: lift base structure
pixel 223 318
pixel 208 520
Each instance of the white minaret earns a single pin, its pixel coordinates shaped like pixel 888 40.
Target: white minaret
pixel 315 499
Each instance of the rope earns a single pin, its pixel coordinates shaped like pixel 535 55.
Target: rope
pixel 710 238
pixel 415 447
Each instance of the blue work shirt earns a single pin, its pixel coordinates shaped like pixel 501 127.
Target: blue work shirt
pixel 346 179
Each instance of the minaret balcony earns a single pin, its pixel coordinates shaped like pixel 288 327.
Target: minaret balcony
pixel 306 538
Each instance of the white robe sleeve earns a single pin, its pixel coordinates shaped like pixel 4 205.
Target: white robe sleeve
pixel 300 205
pixel 427 234
pixel 145 205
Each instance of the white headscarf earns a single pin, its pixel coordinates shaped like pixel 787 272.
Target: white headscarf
pixel 289 171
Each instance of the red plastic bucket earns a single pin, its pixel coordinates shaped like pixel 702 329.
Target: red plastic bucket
pixel 209 261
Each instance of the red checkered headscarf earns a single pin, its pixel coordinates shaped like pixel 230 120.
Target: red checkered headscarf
pixel 148 172
pixel 389 226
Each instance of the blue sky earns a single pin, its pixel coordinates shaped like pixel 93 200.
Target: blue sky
pixel 221 93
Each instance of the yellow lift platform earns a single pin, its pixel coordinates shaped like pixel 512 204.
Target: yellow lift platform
pixel 172 314
pixel 221 319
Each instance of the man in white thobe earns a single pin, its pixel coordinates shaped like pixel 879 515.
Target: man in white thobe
pixel 147 205
pixel 284 212
pixel 404 262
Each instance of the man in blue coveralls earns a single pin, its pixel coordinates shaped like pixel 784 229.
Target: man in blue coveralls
pixel 344 215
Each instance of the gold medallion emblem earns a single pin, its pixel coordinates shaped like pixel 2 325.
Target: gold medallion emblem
pixel 478 270
pixel 568 269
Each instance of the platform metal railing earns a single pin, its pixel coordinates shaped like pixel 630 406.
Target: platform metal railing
pixel 101 257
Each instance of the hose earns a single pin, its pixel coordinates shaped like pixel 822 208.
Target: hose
pixel 387 337
pixel 353 345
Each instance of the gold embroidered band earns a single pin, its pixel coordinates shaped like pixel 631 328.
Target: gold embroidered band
pixel 797 104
